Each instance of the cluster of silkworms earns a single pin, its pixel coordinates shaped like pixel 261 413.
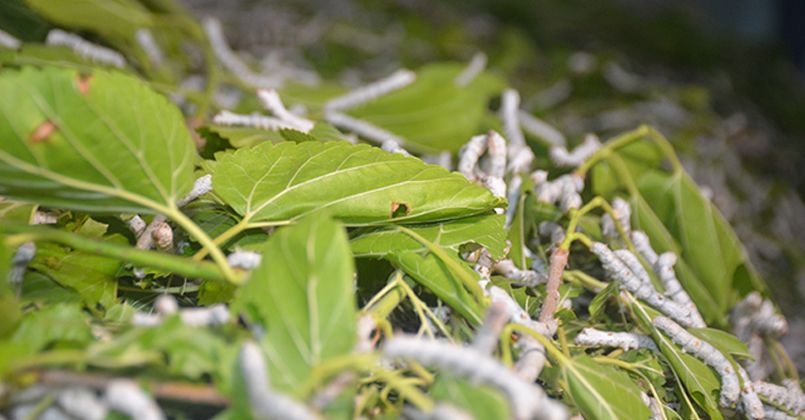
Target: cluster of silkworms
pixel 786 399
pixel 490 170
pixel 565 191
pixel 166 306
pixel 527 400
pixel 623 267
pixel 76 402
pixel 753 319
pixel 86 49
pixel 592 337
pixel 9 41
pixel 623 214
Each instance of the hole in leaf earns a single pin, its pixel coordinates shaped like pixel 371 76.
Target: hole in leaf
pixel 399 209
pixel 83 83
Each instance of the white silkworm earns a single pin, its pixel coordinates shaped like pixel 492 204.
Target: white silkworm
pixel 513 197
pixel 634 265
pixel 768 323
pixel 445 411
pixel 470 154
pixel 443 159
pixel 561 157
pixel 143 319
pixel 623 213
pixel 541 130
pixel 394 147
pixel 147 42
pixel 476 65
pixel 166 305
pixel 619 271
pixel 708 354
pixel 620 79
pixel 162 235
pixel 592 337
pixel 581 62
pixel 553 95
pixel 527 400
pixel 9 41
pixel 362 128
pixel 81 403
pixel 496 155
pixel 264 402
pixel 246 260
pixel 563 191
pixel 653 405
pixel 204 317
pixel 643 246
pixel 253 120
pixel 757 315
pixel 201 186
pixel 527 278
pixel 664 267
pixel 19 262
pixel 509 105
pixel 366 325
pixel 126 397
pixel 271 101
pixel 86 49
pixel 397 80
pixel 231 61
pixel 486 339
pixel 750 403
pixel 44 218
pixel 791 400
pixel 553 230
pixel 520 158
pixel 771 413
pixel 137 225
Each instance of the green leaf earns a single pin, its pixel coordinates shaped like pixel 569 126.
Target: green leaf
pixel 484 230
pixel 433 113
pixel 16 212
pixel 9 306
pixel 62 324
pixel 433 273
pixel 118 19
pixel 481 402
pixel 302 294
pixel 602 391
pixel 357 184
pixel 117 148
pixel 723 341
pixel 598 304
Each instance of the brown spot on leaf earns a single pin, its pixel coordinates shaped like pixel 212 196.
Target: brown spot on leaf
pixel 399 209
pixel 84 81
pixel 43 132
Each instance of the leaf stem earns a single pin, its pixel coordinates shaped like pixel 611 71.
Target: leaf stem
pixel 215 252
pixel 179 265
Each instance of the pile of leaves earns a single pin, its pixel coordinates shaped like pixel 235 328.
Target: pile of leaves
pixel 178 243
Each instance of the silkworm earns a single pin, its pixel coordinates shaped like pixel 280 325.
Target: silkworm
pixel 621 79
pixel 553 95
pixel 496 155
pixel 253 120
pixel 643 246
pixel 19 262
pixel 561 157
pixel 362 128
pixel 541 130
pixel 664 267
pixel 513 197
pixel 592 337
pixel 202 185
pixel 708 354
pixel 136 225
pixel 750 403
pixel 509 105
pixel 790 399
pixel 581 62
pixel 755 315
pixel 470 154
pixel 205 317
pixel 527 278
pixel 394 147
pixel 446 411
pixel 149 45
pixel 397 80
pixel 486 339
pixel 563 191
pixel 271 101
pixel 653 405
pixel 527 400
pixel 166 305
pixel 623 213
pixel 771 413
pixel 246 260
pixel 619 271
pixel 82 403
pixel 263 401
pixel 86 49
pixel 475 67
pixel 553 230
pixel 44 218
pixel 230 60
pixel 443 159
pixel 9 41
pixel 126 397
